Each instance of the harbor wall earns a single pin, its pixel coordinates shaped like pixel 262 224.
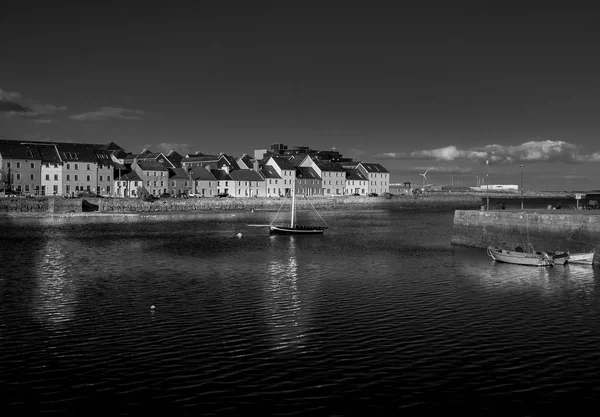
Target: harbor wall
pixel 551 230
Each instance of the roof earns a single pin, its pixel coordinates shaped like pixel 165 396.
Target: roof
pixel 247 160
pixel 245 175
pixel 178 173
pixel 175 158
pixel 151 166
pixel 10 149
pixel 269 172
pixel 111 146
pixel 220 175
pixel 373 167
pixel 355 175
pixel 200 158
pixel 202 174
pixel 330 167
pixel 129 176
pixel 49 154
pixel 283 163
pixel 225 159
pixel 77 152
pixel 306 173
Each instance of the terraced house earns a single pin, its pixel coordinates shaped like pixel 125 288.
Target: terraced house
pixel 154 176
pixel 20 167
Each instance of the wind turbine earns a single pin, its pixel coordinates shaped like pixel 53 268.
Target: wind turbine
pixel 424 175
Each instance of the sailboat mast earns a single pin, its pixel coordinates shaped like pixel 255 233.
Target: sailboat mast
pixel 293 219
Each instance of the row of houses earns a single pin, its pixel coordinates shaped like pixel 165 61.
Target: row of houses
pixel 52 168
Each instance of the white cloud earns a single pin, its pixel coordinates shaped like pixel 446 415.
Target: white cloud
pixel 8 96
pixel 181 148
pixel 107 113
pixel 532 151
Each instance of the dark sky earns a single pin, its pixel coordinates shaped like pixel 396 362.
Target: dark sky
pixel 415 88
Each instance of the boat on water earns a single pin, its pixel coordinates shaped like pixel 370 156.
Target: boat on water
pixel 584 258
pixel 520 258
pixel 560 258
pixel 296 225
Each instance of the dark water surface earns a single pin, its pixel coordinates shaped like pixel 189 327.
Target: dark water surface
pixel 379 316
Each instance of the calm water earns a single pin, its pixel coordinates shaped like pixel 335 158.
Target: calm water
pixel 379 316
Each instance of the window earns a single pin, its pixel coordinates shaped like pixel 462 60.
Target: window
pixel 89 167
pixel 76 166
pixel 47 177
pixel 55 188
pixel 101 177
pixel 88 188
pixel 55 177
pixel 18 165
pixel 68 166
pixel 108 178
pixel 32 165
pixel 8 165
pixel 18 175
pixel 68 177
pixel 88 178
pixel 76 177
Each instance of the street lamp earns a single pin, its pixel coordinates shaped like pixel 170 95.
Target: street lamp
pixel 521 187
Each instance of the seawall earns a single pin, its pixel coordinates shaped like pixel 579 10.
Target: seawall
pixel 548 230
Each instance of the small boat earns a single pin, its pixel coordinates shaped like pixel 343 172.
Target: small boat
pixel 560 258
pixel 520 258
pixel 294 228
pixel 585 258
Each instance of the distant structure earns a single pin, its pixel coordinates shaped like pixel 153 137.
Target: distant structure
pixel 496 187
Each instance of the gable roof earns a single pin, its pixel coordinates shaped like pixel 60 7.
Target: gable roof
pixel 129 176
pixel 10 149
pixel 178 174
pixel 202 174
pixel 268 171
pixel 151 166
pixel 373 167
pixel 330 166
pixel 245 175
pixel 49 155
pixel 220 175
pixel 355 175
pixel 77 152
pixel 283 163
pixel 246 160
pixel 307 173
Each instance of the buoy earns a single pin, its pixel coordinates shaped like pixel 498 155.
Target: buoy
pixel 239 235
pixel 152 307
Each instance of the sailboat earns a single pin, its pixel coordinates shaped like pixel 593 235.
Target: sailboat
pixel 294 228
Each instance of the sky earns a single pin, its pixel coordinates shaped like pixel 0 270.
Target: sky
pixel 437 88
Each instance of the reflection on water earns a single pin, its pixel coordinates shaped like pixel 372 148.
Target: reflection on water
pixel 477 266
pixel 379 313
pixel 285 321
pixel 55 297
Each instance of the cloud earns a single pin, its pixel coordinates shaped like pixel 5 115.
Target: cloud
pixel 107 113
pixel 445 170
pixel 8 96
pixel 13 104
pixel 532 151
pixel 181 148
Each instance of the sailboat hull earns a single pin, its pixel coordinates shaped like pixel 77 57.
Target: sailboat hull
pixel 297 230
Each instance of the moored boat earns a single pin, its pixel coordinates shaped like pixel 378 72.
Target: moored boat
pixel 585 258
pixel 520 258
pixel 560 258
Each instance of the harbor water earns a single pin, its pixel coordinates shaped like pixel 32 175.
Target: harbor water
pixel 380 315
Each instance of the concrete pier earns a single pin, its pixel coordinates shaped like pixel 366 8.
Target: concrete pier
pixel 542 230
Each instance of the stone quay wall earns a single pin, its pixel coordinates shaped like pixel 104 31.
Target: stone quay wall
pixel 550 230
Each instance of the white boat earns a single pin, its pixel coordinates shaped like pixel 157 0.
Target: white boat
pixel 586 258
pixel 520 258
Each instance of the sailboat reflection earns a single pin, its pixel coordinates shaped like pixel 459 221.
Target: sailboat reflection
pixel 286 319
pixel 54 301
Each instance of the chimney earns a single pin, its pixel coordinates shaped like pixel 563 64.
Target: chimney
pixel 255 165
pixel 226 168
